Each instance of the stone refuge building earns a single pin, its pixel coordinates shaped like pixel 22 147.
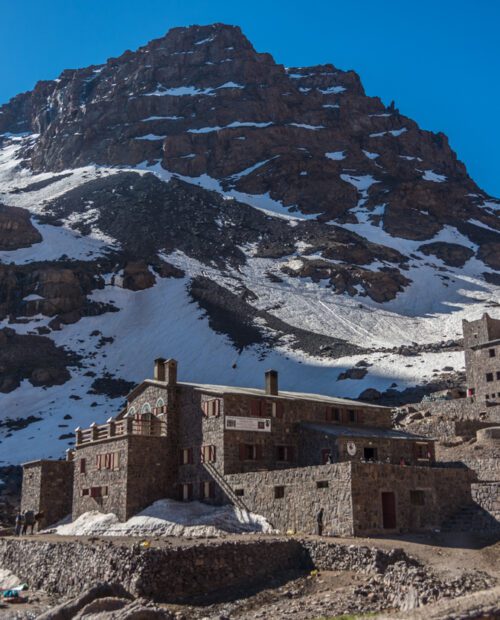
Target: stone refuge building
pixel 281 454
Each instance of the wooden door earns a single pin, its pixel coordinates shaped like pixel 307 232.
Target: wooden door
pixel 389 511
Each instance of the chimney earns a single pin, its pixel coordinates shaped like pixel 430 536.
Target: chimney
pixel 159 374
pixel 170 372
pixel 272 382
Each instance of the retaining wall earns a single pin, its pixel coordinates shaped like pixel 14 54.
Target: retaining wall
pixel 175 574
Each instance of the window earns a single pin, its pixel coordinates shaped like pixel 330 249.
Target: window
pixel 186 492
pixel 422 451
pixel 492 352
pixel 211 407
pixel 98 491
pixel 352 415
pixel 370 454
pixel 239 492
pixel 131 411
pixel 284 453
pixel 208 454
pixel 417 498
pixel 207 489
pixel 250 452
pixel 279 492
pixel 83 466
pixel 146 408
pixel 322 484
pixel 85 492
pixel 332 414
pixel 326 456
pixel 160 406
pixel 108 460
pixel 186 456
pixel 498 375
pixel 489 377
pixel 258 408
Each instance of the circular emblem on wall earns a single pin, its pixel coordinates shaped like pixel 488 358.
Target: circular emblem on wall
pixel 351 448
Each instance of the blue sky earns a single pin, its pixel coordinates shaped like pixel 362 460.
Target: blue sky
pixel 439 60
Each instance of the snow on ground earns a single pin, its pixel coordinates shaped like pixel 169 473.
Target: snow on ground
pixel 167 517
pixel 430 175
pixel 335 155
pixel 57 241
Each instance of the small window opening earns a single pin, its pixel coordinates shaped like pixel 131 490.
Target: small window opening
pixel 279 492
pixel 322 484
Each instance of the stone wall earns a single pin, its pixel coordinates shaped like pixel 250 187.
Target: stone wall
pixel 140 475
pixel 487 495
pixel 167 573
pixel 441 492
pixel 189 572
pixel 351 496
pixel 47 487
pixel 305 491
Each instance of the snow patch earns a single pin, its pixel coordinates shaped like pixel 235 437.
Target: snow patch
pixel 335 155
pixel 167 517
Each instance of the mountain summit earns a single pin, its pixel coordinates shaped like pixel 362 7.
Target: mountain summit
pixel 194 198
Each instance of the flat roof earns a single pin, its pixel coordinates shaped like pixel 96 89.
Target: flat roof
pixel 248 391
pixel 361 431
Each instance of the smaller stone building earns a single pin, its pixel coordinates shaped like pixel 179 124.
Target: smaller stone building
pixel 48 489
pixel 482 358
pixel 255 448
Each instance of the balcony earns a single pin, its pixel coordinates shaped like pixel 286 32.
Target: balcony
pixel 121 428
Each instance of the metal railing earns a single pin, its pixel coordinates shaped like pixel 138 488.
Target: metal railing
pixel 117 428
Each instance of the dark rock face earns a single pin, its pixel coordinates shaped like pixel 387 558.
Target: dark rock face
pixel 16 229
pixel 35 358
pixel 452 254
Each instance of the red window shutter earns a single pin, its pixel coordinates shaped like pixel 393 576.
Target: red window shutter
pixel 217 407
pixel 255 408
pixel 258 452
pixel 83 466
pixel 202 454
pixel 242 451
pixel 204 408
pixel 280 408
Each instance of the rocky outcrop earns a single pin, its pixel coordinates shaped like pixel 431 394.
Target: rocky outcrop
pixel 16 229
pixel 35 358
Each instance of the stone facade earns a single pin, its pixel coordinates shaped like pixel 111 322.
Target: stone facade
pixel 121 475
pixel 48 488
pixel 482 358
pixel 487 495
pixel 424 497
pixel 351 497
